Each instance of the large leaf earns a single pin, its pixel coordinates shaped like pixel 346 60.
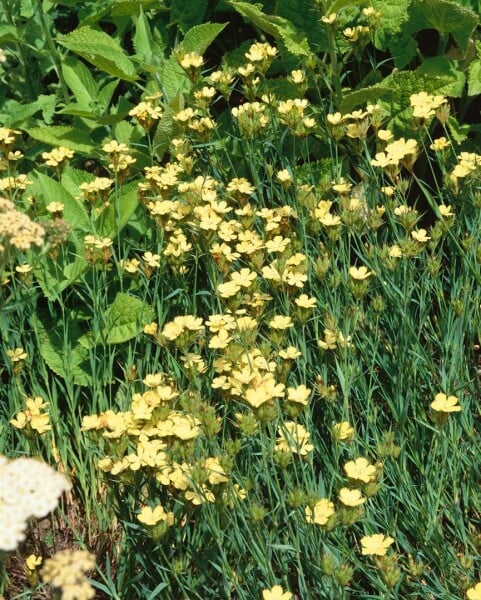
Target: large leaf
pixel 394 14
pixel 126 317
pixel 187 14
pixel 74 213
pixel 60 349
pixel 101 50
pixel 361 97
pixel 166 126
pixel 80 81
pixel 402 85
pixel 173 79
pixel 56 274
pixel 200 37
pixel 16 114
pixel 280 28
pixel 446 17
pixel 304 15
pixel 116 216
pixel 63 135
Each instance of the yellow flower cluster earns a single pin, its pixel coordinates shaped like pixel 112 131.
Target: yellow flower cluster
pixel 32 419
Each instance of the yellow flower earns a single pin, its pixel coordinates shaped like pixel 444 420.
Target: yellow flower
pixel 300 394
pixel 149 516
pixel 420 235
pixel 33 562
pixel 360 273
pixel 321 512
pixel 445 404
pixel 375 544
pixel 276 593
pixel 342 431
pixel 351 497
pixel 280 322
pixel 17 354
pixel 474 593
pixel 445 211
pixel 360 470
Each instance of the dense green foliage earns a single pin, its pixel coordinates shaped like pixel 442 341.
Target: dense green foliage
pixel 240 295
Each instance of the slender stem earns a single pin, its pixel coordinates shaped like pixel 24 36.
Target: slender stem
pixel 53 52
pixel 20 53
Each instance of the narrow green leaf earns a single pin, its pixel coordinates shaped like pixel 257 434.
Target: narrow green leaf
pixel 101 50
pixel 126 317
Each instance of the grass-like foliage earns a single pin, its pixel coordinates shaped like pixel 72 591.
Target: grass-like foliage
pixel 240 299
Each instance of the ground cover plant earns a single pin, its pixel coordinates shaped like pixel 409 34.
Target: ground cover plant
pixel 240 299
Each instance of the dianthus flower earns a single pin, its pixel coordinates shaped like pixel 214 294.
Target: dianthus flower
pixel 376 544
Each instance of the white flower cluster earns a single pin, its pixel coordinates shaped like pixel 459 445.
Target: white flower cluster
pixel 28 488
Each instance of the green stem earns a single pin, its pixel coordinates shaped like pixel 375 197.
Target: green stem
pixel 53 52
pixel 20 53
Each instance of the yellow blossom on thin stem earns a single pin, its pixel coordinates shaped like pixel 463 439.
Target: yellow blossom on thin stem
pixel 360 470
pixel 321 512
pixel 445 404
pixel 376 544
pixel 474 593
pixel 276 593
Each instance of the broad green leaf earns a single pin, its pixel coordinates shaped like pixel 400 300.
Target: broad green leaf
pixel 280 28
pixel 446 17
pixel 72 178
pixel 129 8
pixel 370 94
pixel 165 127
pixel 80 81
pixel 60 349
pixel 338 5
pixel 56 274
pixel 439 66
pixel 142 39
pixel 187 14
pixel 8 33
pixel 106 93
pixel 74 213
pixel 15 114
pixel 116 216
pixel 394 14
pixel 173 79
pixel 63 135
pixel 459 132
pixel 304 15
pixel 126 317
pixel 78 110
pixel 200 37
pixel 402 85
pixel 101 50
pixel 474 78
